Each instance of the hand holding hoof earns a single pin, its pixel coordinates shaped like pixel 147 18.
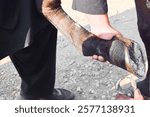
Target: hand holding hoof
pixel 122 52
pixel 119 51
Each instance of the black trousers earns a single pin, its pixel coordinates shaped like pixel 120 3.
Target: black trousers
pixel 36 64
pixel 143 16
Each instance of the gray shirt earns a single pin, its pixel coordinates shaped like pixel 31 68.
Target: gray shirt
pixel 90 6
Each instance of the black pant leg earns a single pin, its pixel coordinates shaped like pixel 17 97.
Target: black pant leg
pixel 36 64
pixel 143 16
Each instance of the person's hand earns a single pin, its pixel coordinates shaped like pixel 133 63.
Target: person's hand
pixel 137 96
pixel 106 33
pixel 101 27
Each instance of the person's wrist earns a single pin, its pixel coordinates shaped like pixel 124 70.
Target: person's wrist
pixel 104 32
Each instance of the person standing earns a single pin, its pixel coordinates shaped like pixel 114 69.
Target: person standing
pixel 30 41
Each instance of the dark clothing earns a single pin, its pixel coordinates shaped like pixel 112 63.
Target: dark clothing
pixel 36 64
pixel 19 23
pixel 143 16
pixel 90 6
pixel 22 25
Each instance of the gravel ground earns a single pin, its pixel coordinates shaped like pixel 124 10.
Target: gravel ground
pixel 87 78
